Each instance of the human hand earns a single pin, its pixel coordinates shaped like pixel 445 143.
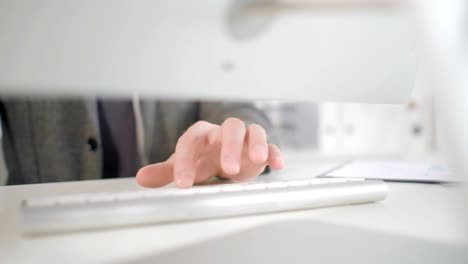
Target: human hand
pixel 205 150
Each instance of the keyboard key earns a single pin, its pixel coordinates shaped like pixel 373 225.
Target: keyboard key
pixel 153 193
pixel 205 190
pixel 171 191
pixel 336 180
pixel 101 197
pixel 41 202
pixel 278 184
pixel 232 188
pixel 298 183
pixel 124 196
pixel 190 191
pixel 71 200
pixel 355 179
pixel 318 181
pixel 255 186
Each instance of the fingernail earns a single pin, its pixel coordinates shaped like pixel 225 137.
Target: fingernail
pixel 261 152
pixel 231 165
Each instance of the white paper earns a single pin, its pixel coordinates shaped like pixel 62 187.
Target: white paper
pixel 395 170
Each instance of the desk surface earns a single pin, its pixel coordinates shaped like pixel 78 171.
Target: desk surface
pixel 426 211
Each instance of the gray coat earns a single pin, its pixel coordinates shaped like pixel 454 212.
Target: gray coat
pixel 58 140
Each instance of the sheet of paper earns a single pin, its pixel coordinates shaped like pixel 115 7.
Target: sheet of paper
pixel 395 171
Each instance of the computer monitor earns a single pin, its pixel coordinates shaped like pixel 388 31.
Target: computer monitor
pixel 218 49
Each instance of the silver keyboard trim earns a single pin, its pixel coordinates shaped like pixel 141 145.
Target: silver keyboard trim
pixel 78 212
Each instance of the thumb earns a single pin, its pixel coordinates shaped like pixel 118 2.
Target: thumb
pixel 156 175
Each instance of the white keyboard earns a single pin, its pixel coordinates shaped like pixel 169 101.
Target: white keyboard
pixel 104 210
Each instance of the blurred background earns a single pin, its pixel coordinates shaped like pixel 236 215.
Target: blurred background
pixel 354 129
pixel 350 130
pixel 230 45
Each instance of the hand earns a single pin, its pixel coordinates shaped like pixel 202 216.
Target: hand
pixel 205 150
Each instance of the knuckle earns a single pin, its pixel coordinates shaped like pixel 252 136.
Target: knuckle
pixel 186 135
pixel 234 121
pixel 256 127
pixel 181 140
pixel 257 133
pixel 212 137
pixel 191 133
pixel 185 140
pixel 179 143
pixel 201 123
pixel 274 148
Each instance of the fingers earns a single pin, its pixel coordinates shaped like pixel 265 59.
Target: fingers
pixel 232 141
pixel 205 150
pixel 275 158
pixel 214 137
pixel 257 144
pixel 206 168
pixel 187 149
pixel 251 170
pixel 156 175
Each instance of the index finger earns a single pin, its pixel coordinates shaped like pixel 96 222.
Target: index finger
pixel 186 153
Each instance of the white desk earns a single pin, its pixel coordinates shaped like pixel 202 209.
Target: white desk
pixel 426 211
